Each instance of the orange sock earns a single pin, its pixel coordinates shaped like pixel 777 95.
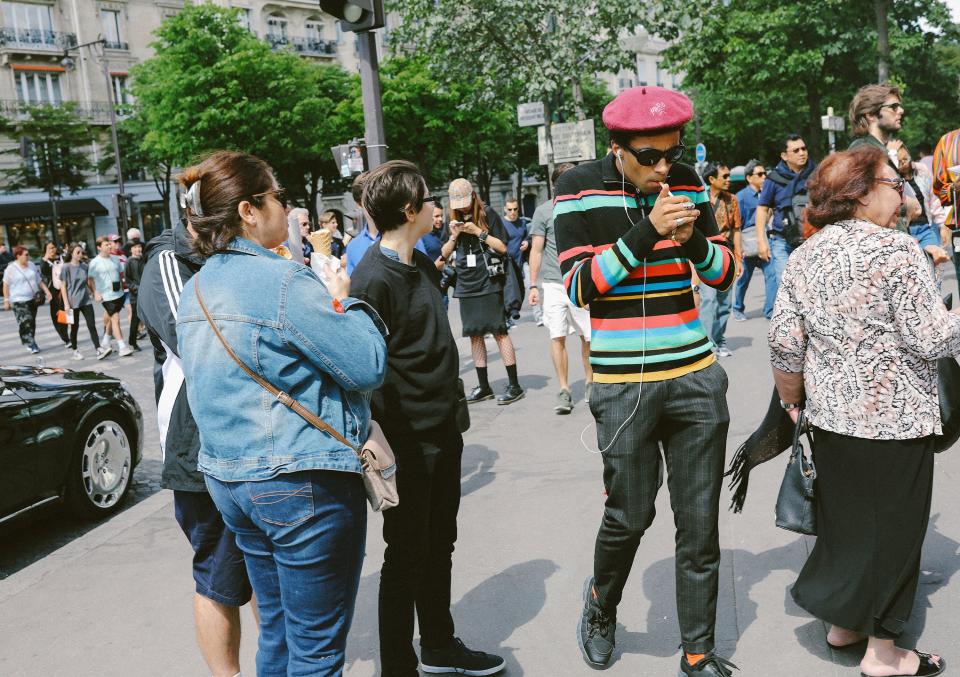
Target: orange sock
pixel 694 658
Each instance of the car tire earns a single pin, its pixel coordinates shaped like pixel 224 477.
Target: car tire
pixel 101 469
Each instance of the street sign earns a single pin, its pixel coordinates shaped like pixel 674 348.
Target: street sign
pixel 832 123
pixel 572 142
pixel 701 152
pixel 530 114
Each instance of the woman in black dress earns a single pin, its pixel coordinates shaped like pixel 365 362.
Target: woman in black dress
pixel 478 239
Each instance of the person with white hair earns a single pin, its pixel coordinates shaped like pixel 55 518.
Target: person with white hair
pixel 134 234
pixel 298 226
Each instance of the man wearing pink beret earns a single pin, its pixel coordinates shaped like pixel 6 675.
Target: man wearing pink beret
pixel 631 229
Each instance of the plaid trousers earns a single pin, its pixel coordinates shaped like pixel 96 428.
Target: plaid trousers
pixel 686 418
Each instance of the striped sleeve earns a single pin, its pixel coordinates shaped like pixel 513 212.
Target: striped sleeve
pixel 707 249
pixel 946 154
pixel 591 270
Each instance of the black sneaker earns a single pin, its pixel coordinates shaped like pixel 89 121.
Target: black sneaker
pixel 459 659
pixel 597 630
pixel 511 394
pixel 479 394
pixel 710 666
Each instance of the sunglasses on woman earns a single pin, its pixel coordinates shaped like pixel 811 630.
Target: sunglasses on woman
pixel 648 157
pixel 896 184
pixel 279 193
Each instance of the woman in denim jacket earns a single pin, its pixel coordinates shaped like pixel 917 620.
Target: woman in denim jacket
pixel 293 495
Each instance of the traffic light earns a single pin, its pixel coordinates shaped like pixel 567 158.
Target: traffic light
pixel 356 15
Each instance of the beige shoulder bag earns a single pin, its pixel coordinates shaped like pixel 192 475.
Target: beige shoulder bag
pixel 376 456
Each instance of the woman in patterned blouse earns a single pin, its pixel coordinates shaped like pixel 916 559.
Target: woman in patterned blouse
pixel 857 328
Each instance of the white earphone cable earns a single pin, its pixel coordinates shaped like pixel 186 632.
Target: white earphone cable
pixel 643 354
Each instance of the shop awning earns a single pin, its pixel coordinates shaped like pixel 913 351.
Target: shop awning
pixel 83 206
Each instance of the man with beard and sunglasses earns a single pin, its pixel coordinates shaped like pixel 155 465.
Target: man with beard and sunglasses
pixel 631 228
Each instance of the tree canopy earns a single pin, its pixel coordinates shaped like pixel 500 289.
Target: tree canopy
pixel 757 71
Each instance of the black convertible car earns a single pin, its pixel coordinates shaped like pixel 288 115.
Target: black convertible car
pixel 75 435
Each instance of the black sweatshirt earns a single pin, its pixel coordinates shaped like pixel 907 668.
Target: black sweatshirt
pixel 419 394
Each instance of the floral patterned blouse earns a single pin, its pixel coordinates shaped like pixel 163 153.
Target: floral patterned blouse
pixel 858 313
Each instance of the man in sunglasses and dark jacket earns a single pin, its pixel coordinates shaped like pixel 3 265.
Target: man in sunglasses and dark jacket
pixel 631 229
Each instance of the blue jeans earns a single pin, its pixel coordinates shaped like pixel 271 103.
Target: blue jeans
pixel 714 311
pixel 773 269
pixel 302 535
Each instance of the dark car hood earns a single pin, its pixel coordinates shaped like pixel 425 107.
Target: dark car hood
pixel 41 378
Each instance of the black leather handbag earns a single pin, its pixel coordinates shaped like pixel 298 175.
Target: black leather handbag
pixel 948 387
pixel 796 503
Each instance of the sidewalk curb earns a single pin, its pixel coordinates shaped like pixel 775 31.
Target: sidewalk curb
pixel 36 572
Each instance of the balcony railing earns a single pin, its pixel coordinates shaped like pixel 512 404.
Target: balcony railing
pixel 94 112
pixel 308 46
pixel 36 38
pixel 109 44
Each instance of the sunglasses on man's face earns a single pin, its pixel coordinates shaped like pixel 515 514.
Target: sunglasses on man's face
pixel 893 106
pixel 279 193
pixel 648 157
pixel 759 174
pixel 725 176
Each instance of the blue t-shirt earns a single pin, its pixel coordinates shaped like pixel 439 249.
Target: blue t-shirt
pixel 358 247
pixel 106 277
pixel 430 244
pixel 516 234
pixel 780 198
pixel 748 199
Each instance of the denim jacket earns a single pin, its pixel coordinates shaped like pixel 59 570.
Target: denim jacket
pixel 280 320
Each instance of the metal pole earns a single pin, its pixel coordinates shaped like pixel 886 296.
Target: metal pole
pixel 372 108
pixel 122 202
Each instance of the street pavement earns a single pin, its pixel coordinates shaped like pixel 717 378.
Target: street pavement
pixel 115 599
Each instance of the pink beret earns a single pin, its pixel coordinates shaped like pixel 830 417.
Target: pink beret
pixel 641 109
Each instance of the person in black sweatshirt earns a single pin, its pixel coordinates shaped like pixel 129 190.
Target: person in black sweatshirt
pixel 416 407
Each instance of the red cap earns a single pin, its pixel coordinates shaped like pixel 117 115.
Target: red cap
pixel 113 237
pixel 642 109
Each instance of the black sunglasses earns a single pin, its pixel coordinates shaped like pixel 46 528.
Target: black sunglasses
pixel 893 106
pixel 432 198
pixel 896 184
pixel 648 157
pixel 801 149
pixel 725 176
pixel 759 174
pixel 279 193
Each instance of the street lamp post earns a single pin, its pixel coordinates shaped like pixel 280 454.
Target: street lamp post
pixel 68 63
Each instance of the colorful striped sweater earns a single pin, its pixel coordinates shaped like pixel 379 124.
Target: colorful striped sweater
pixel 645 325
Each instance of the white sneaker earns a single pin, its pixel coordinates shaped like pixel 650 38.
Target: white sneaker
pixel 126 351
pixel 103 351
pixel 66 344
pixel 77 355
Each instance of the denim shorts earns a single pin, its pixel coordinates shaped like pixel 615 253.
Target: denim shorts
pixel 218 565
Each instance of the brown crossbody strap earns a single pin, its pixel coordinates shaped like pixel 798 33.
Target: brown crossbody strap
pixel 283 397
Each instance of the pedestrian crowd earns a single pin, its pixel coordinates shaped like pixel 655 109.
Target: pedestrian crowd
pixel 285 353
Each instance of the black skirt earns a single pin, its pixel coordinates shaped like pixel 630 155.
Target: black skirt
pixel 481 315
pixel 873 505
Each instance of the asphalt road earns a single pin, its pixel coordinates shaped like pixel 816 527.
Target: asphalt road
pixel 40 532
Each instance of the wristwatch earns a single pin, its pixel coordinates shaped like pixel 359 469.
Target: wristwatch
pixel 483 236
pixel 789 406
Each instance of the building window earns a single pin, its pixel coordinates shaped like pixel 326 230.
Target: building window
pixel 339 32
pixel 277 29
pixel 624 82
pixel 244 17
pixel 110 21
pixel 38 88
pixel 675 83
pixel 314 28
pixel 23 17
pixel 641 71
pixel 121 95
pixel 659 73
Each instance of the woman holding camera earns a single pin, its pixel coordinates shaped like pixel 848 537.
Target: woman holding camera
pixel 292 494
pixel 480 241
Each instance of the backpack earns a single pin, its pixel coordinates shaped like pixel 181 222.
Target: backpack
pixel 794 217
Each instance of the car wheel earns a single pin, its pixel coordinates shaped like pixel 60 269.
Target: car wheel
pixel 101 469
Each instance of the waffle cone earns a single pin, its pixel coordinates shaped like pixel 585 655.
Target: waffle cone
pixel 322 241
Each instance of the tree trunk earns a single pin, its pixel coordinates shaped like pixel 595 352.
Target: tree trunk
pixel 313 190
pixel 162 183
pixel 815 139
pixel 881 7
pixel 578 100
pixel 548 141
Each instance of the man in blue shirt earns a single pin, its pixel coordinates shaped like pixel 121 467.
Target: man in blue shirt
pixel 749 198
pixel 775 208
pixel 518 245
pixel 368 234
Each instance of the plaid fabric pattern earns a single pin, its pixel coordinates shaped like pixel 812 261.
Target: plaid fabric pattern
pixel 681 423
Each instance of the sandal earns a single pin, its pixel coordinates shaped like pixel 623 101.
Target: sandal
pixel 927 667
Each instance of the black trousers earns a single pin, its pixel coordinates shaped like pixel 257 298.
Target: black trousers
pixel 420 534
pixel 56 304
pixel 87 312
pixel 134 322
pixel 686 416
